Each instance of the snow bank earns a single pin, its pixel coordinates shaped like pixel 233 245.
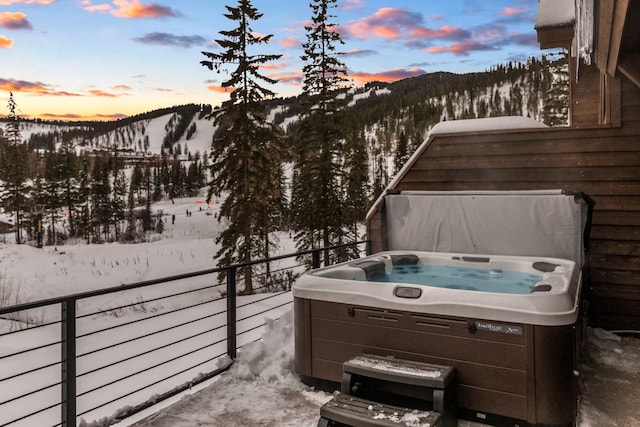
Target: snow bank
pixel 271 358
pixel 260 389
pixel 608 349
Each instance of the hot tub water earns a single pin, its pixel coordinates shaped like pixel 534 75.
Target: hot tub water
pixel 464 278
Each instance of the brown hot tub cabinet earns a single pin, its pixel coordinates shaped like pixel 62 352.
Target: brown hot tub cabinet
pixel 517 371
pixel 514 350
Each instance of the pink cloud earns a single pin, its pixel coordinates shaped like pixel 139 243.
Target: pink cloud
pixel 275 66
pixel 131 9
pixel 219 89
pixel 460 49
pixel 290 42
pixel 9 2
pixel 444 32
pixel 5 43
pixel 102 94
pixel 352 4
pixel 512 11
pixel 292 77
pixel 38 88
pixel 395 23
pixel 14 21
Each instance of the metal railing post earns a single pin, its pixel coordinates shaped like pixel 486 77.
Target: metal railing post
pixel 231 312
pixel 315 259
pixel 68 324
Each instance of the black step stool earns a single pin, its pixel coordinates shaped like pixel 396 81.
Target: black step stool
pixel 358 412
pixel 439 378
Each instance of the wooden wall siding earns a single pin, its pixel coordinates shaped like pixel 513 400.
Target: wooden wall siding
pixel 585 107
pixel 602 162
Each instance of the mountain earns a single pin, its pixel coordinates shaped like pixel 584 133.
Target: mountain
pixel 382 110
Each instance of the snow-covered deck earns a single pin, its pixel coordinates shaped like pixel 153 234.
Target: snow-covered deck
pixel 261 389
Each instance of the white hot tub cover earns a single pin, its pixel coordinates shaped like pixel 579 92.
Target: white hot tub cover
pixel 547 223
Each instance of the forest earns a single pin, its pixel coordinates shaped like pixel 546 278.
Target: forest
pixel 311 164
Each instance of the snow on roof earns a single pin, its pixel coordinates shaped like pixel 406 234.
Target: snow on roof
pixel 555 13
pixel 491 123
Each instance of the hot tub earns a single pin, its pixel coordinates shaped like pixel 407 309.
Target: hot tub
pixel 539 291
pixel 506 321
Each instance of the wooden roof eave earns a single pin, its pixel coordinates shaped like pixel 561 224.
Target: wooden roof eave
pixel 615 23
pixel 630 67
pixel 555 37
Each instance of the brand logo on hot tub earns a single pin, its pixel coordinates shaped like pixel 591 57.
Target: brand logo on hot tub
pixel 496 327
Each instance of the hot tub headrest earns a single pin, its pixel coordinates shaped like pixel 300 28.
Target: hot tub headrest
pixel 404 259
pixel 372 268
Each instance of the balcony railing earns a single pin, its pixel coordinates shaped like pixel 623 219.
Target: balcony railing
pixel 106 354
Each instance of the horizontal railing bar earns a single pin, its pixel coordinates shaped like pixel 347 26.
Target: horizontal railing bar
pixel 153 333
pixel 176 390
pixel 263 299
pixel 173 359
pixel 152 384
pixel 283 281
pixel 28 328
pixel 150 351
pixel 13 399
pixel 29 371
pixel 30 350
pixel 262 312
pixel 32 414
pixel 145 301
pixel 126 287
pixel 165 313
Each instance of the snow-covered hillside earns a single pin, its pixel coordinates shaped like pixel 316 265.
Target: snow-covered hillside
pixel 143 136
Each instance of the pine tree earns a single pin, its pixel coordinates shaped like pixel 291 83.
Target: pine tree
pixel 101 199
pixel 118 203
pixel 556 102
pixel 317 217
pixel 53 200
pixel 246 158
pixel 357 188
pixel 402 154
pixel 13 168
pixel 68 175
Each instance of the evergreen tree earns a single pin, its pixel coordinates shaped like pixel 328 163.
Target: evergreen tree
pixel 68 175
pixel 357 188
pixel 118 203
pixel 402 154
pixel 83 209
pixel 13 168
pixel 146 214
pixel 53 191
pixel 246 158
pixel 556 102
pixel 101 199
pixel 317 217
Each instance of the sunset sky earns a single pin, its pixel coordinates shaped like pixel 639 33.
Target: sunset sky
pixel 88 59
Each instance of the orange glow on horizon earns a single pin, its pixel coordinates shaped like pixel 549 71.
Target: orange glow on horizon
pixel 362 78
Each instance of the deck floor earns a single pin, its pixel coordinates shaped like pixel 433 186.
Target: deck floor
pixel 610 377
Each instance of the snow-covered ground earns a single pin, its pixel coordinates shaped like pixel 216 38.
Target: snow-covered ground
pixel 104 326
pixel 261 388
